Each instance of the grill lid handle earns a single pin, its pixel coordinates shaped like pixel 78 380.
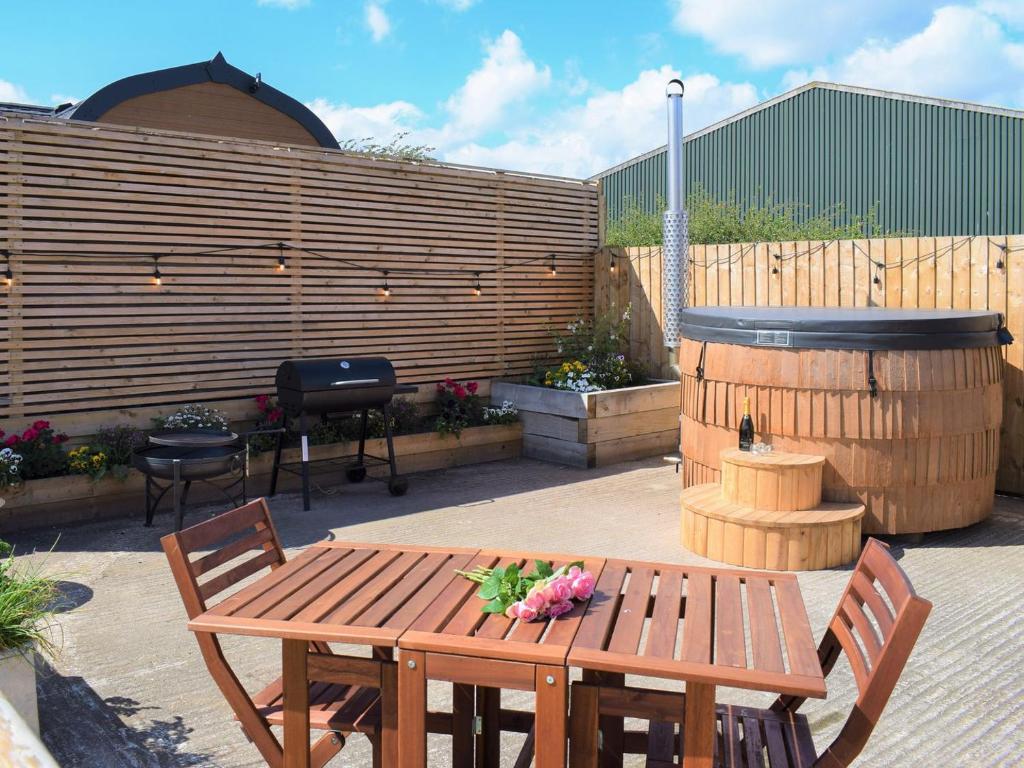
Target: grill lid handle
pixel 354 382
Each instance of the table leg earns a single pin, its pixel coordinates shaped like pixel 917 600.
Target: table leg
pixel 387 738
pixel 295 689
pixel 412 709
pixel 612 728
pixel 463 709
pixel 699 726
pixel 488 742
pixel 551 723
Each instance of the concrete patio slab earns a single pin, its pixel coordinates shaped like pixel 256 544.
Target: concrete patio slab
pixel 130 690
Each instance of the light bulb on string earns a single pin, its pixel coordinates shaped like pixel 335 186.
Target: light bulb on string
pixel 611 265
pixel 8 276
pixel 554 268
pixel 477 290
pixel 157 277
pixel 280 263
pixel 386 288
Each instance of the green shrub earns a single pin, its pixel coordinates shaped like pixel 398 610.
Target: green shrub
pixel 713 220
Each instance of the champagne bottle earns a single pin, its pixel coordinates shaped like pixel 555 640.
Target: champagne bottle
pixel 746 427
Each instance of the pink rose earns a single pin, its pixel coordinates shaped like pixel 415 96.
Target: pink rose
pixel 459 391
pixel 573 572
pixel 41 425
pixel 30 434
pixel 535 600
pixel 512 612
pixel 262 402
pixel 557 609
pixel 12 440
pixel 472 387
pixel 274 414
pixel 583 586
pixel 558 590
pixel 526 613
pixel 61 438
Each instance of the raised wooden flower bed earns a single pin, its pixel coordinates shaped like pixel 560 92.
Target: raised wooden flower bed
pixel 77 498
pixel 595 429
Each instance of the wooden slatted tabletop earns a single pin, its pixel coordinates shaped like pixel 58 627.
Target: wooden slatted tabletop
pixel 697 622
pixel 707 627
pixel 340 592
pixel 455 624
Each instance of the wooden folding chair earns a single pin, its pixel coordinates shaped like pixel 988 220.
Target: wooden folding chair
pixel 224 541
pixel 876 625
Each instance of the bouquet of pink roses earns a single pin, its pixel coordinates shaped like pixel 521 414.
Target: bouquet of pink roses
pixel 544 592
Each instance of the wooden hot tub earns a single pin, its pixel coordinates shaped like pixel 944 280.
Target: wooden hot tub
pixel 905 405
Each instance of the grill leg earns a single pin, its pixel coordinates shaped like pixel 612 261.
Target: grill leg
pixel 390 439
pixel 277 463
pixel 305 463
pixel 362 435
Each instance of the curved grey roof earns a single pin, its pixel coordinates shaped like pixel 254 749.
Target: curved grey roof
pixel 217 70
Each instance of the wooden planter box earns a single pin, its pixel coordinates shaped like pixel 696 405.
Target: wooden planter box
pixel 595 429
pixel 77 498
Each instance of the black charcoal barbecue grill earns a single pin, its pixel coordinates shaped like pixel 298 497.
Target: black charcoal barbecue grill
pixel 328 388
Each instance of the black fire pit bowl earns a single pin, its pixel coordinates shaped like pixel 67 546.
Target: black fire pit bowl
pixel 196 463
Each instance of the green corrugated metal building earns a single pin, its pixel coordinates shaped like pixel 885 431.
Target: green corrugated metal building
pixel 930 166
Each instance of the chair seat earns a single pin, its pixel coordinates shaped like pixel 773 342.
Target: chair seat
pixel 345 708
pixel 762 738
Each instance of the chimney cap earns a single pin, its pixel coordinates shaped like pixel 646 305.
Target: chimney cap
pixel 675 87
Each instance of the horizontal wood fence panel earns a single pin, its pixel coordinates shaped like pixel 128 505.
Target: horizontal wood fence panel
pixel 928 272
pixel 88 339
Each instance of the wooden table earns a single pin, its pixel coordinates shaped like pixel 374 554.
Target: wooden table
pixel 697 621
pixel 453 641
pixel 338 592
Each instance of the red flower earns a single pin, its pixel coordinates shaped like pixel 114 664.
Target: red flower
pixel 41 425
pixel 459 391
pixel 274 414
pixel 262 402
pixel 472 386
pixel 61 438
pixel 12 440
pixel 30 434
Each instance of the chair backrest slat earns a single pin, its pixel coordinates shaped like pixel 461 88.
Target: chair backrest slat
pixel 221 527
pixel 877 651
pixel 229 578
pixel 229 552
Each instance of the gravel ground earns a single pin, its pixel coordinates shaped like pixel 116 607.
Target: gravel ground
pixel 130 690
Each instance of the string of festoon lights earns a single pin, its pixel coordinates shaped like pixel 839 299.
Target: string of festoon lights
pixel 778 257
pixel 280 248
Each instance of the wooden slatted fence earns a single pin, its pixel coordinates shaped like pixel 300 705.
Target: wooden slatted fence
pixel 929 272
pixel 88 339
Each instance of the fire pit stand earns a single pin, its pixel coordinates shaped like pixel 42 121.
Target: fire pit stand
pixel 184 457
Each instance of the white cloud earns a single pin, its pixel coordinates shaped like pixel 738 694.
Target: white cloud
pixel 768 33
pixel 610 126
pixel 1009 11
pixel 289 5
pixel 506 77
pixel 380 122
pixel 377 21
pixel 13 93
pixel 963 53
pixel 458 5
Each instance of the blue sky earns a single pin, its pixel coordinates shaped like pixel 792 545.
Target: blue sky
pixel 566 87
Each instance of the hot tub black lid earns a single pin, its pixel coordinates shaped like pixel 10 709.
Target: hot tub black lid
pixel 845 328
